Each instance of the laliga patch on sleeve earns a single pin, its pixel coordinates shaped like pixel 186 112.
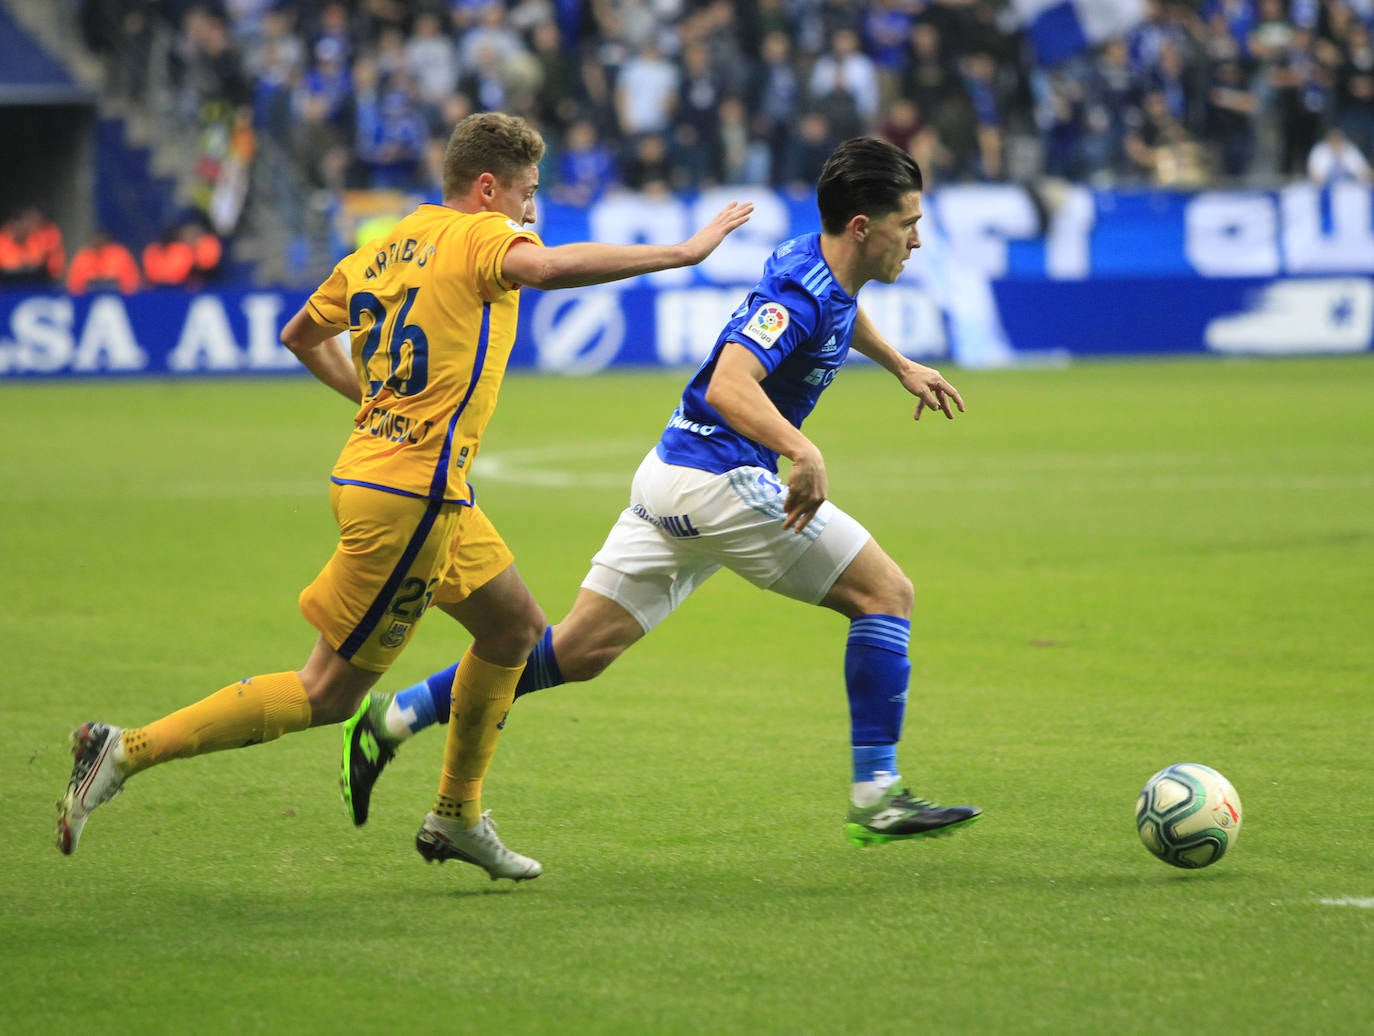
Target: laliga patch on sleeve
pixel 766 324
pixel 515 226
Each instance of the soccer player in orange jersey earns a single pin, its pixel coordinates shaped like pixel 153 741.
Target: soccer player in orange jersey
pixel 430 309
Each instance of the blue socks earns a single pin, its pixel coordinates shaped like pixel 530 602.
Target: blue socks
pixel 541 668
pixel 876 672
pixel 427 702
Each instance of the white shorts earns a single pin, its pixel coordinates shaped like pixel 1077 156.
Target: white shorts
pixel 683 525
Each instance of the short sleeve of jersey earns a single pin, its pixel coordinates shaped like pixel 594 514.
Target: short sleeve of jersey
pixel 778 318
pixel 329 303
pixel 491 239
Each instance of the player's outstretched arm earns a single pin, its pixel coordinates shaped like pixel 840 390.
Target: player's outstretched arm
pixel 315 346
pixel 928 385
pixel 588 262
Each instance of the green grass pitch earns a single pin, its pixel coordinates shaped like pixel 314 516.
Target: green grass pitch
pixel 1119 566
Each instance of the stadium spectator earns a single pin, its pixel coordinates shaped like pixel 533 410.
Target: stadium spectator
pixel 1354 85
pixel 645 92
pixel 627 26
pixel 527 17
pixel 649 167
pixel 375 17
pixel 696 130
pixel 103 265
pixel 1061 115
pixel 933 81
pixel 845 69
pixel 719 26
pixel 214 73
pixel 1161 149
pixel 187 255
pixel 327 87
pixel 389 55
pixel 332 34
pixel 586 166
pixel 1300 86
pixel 319 147
pixel 489 36
pixel 902 124
pixel 31 250
pixel 247 19
pixel 1269 42
pixel 775 95
pixel 980 70
pixel 1171 76
pixel 562 96
pixel 432 59
pixel 1111 101
pixel 466 15
pixel 1335 159
pixel 391 131
pixel 276 63
pixel 120 33
pixel 886 29
pixel 745 158
pixel 807 151
pixel 1162 27
pixel 828 18
pixel 1231 107
pixel 1229 24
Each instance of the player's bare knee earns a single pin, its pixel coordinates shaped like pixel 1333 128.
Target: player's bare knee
pixel 902 594
pixel 511 644
pixel 531 629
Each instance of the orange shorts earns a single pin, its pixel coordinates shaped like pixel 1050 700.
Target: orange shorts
pixel 396 556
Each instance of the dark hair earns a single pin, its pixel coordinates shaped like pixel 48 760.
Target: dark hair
pixel 864 175
pixel 489 142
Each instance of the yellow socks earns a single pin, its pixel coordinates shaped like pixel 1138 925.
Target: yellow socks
pixel 258 709
pixel 482 695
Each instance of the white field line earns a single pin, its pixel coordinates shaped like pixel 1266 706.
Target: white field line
pixel 1101 472
pixel 1363 902
pixel 226 489
pixel 539 466
pixel 610 464
pixel 1199 483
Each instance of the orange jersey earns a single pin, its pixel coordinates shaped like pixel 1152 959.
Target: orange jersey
pixel 431 324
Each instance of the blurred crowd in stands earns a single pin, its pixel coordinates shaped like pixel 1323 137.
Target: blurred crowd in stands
pixel 656 95
pixel 682 93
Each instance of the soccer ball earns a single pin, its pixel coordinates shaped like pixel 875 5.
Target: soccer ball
pixel 1188 815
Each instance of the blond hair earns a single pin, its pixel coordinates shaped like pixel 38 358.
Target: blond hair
pixel 489 142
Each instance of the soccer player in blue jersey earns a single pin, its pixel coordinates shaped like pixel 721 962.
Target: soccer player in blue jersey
pixel 709 496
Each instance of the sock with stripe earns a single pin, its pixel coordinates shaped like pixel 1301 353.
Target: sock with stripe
pixel 250 712
pixel 876 672
pixel 482 695
pixel 427 702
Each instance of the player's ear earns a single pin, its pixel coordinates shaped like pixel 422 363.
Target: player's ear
pixel 858 226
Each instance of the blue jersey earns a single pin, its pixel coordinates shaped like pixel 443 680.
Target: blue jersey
pixel 799 322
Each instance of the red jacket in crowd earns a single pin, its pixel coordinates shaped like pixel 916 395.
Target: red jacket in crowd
pixel 31 248
pixel 103 265
pixel 186 259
